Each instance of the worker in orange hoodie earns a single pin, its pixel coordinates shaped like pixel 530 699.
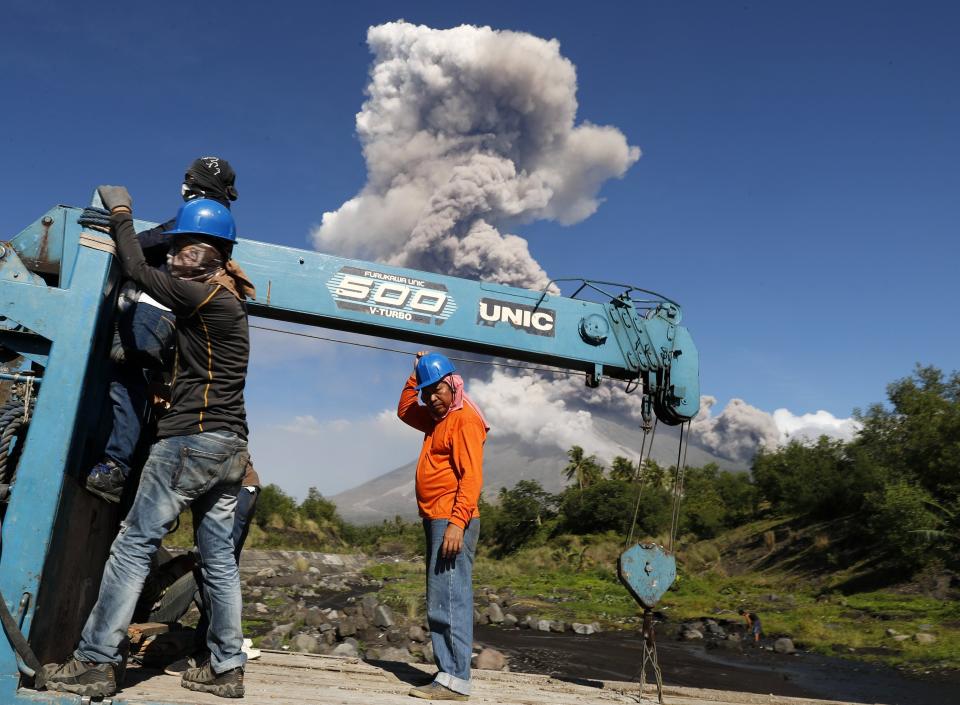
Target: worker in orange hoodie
pixel 449 479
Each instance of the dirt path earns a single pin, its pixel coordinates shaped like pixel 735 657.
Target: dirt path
pixel 617 656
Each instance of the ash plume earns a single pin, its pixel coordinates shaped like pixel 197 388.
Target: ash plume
pixel 737 432
pixel 465 132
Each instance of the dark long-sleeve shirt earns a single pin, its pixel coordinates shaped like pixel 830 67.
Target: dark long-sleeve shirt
pixel 213 343
pixel 155 242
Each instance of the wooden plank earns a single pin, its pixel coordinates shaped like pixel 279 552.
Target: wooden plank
pixel 281 678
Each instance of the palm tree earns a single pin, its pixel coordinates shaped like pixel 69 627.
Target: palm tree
pixel 583 467
pixel 622 469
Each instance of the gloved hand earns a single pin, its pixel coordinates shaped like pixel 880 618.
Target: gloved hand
pixel 115 197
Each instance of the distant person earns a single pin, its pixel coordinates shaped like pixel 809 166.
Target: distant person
pixel 198 460
pixel 754 627
pixel 448 483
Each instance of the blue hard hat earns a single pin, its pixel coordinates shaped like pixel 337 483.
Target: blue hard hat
pixel 431 368
pixel 203 216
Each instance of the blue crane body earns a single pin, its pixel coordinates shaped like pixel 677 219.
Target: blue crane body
pixel 58 287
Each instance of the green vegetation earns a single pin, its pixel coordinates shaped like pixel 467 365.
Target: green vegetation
pixel 833 543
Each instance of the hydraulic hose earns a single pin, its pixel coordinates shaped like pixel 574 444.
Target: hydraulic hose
pixel 28 662
pixel 11 421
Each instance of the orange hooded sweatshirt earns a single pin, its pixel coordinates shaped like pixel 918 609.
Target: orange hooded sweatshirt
pixel 450 468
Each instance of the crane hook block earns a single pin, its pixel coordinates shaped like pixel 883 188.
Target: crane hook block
pixel 647 570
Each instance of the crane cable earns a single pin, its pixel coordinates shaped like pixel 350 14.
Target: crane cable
pixel 529 368
pixel 641 463
pixel 678 482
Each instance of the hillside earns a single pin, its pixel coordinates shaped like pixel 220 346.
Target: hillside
pixel 507 460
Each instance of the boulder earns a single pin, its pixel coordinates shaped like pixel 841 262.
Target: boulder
pixel 924 638
pixel 724 644
pixel 395 635
pixel 283 629
pixel 891 632
pixel 558 627
pixel 492 598
pixel 346 627
pixel 479 617
pixel 901 637
pixel 494 614
pixel 267 573
pixel 346 649
pixel 596 627
pixel 395 653
pixel 360 622
pixel 261 608
pixel 490 659
pixel 428 652
pixel 368 603
pixel 383 617
pixel 329 637
pixel 313 618
pixel 714 629
pixel 784 645
pixel 691 635
pixel 544 625
pixel 510 620
pixel 304 643
pixel 527 622
pixel 579 628
pixel 416 633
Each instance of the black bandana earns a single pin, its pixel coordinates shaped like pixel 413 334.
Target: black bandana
pixel 212 177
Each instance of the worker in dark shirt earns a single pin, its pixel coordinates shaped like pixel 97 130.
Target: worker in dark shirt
pixel 199 457
pixel 143 344
pixel 754 627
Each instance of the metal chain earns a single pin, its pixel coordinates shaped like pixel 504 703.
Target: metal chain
pixel 27 397
pixel 650 657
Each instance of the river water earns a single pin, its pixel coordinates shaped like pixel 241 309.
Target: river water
pixel 617 656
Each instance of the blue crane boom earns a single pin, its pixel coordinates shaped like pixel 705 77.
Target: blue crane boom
pixel 57 290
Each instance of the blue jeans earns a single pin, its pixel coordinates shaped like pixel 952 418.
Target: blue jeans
pixel 246 505
pixel 146 335
pixel 203 470
pixel 450 604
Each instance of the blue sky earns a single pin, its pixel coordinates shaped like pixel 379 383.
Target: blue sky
pixel 797 193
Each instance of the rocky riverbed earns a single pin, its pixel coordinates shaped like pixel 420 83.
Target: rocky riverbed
pixel 325 604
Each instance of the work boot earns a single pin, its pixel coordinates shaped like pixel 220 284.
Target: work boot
pixel 181 666
pixel 95 680
pixel 436 691
pixel 205 680
pixel 106 480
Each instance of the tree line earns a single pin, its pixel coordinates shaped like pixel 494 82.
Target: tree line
pixel 897 485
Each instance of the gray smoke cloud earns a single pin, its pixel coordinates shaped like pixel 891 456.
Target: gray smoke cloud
pixel 738 432
pixel 467 131
pixel 562 410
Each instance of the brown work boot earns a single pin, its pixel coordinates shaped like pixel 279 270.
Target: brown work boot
pixel 436 691
pixel 204 679
pixel 96 680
